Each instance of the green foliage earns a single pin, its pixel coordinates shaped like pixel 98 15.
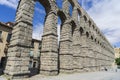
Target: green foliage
pixel 117 61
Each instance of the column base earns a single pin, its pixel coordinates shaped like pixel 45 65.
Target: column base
pixel 67 71
pixel 49 73
pixel 18 75
pixel 78 70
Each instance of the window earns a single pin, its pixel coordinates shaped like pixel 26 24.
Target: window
pixel 9 37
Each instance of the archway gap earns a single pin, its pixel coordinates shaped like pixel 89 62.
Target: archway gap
pixel 73 24
pixel 81 31
pixel 91 37
pixel 46 4
pixel 90 23
pixel 79 15
pixel 87 34
pixel 61 19
pixel 38 20
pixel 95 40
pixel 85 18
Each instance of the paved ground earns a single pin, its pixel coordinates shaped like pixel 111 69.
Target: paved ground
pixel 1 78
pixel 109 75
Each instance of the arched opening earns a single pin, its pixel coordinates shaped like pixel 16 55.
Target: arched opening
pixel 34 64
pixel 87 34
pixel 58 28
pixel 95 40
pixel 85 18
pixel 98 42
pixel 62 32
pixel 92 37
pixel 70 9
pixel 38 25
pixel 73 27
pixel 93 27
pixel 79 15
pixel 38 21
pixel 59 3
pixel 61 20
pixel 81 31
pixel 90 23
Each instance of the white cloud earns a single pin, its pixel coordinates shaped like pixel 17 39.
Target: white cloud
pixel 106 14
pixel 38 31
pixel 10 3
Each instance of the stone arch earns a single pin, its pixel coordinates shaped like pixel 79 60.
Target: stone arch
pixel 67 31
pixel 72 2
pixel 49 35
pixel 47 5
pixel 62 15
pixel 67 4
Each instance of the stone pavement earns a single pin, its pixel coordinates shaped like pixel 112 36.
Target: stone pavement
pixel 1 78
pixel 110 75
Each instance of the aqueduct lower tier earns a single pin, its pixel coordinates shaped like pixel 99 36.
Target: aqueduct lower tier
pixel 82 46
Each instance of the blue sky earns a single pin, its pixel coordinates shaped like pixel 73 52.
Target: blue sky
pixel 105 13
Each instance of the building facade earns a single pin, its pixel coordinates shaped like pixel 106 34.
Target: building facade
pixel 34 62
pixel 117 52
pixel 5 35
pixel 82 47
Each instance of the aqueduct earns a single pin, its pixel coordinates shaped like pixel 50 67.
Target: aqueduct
pixel 82 46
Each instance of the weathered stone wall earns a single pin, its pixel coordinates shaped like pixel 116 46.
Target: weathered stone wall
pixel 82 46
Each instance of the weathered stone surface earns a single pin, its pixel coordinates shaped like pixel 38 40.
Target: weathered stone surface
pixel 82 46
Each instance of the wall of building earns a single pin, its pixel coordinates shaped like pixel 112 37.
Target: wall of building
pixel 117 52
pixel 34 62
pixel 6 30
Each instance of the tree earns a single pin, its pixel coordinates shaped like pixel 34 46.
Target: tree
pixel 117 61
